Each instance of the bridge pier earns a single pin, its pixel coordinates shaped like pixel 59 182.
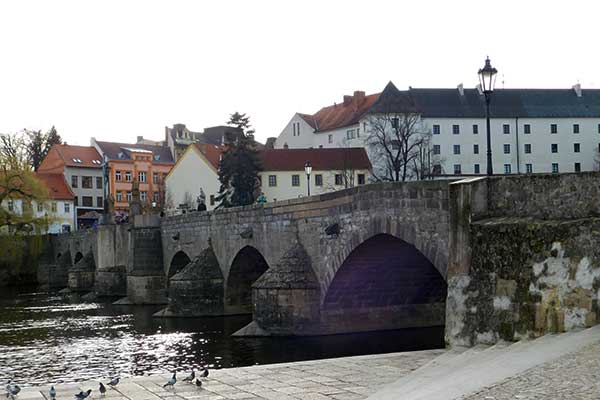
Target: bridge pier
pixel 81 275
pixel 111 273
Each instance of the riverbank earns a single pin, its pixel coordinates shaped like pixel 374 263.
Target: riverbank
pixel 345 378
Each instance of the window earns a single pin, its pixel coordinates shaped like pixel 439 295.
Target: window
pixel 127 176
pixel 395 144
pixel 350 134
pixel 212 200
pixel 358 132
pixel 318 180
pixel 527 148
pixel 142 176
pixel 554 148
pixel 506 148
pixel 395 123
pixel 555 168
pixel 98 182
pixel 475 129
pixel 128 196
pixel 118 176
pixel 506 129
pixel 155 197
pixel 576 147
pixel 143 195
pixel 67 208
pixel 476 168
pixel 76 201
pixel 475 149
pixel 436 149
pixel 74 181
pixel 40 207
pixel 553 128
pixel 87 201
pixel 338 179
pixel 457 169
pixel 575 128
pixel 119 196
pixel 507 168
pixel 598 128
pixel 436 129
pixel 155 177
pixel 456 148
pixel 295 180
pixel 99 202
pixel 529 168
pixel 577 167
pixel 11 205
pixel 296 128
pixel 361 179
pixel 272 180
pixel 527 129
pixel 437 169
pixel 86 182
pixel 455 129
pixel 329 138
pixel 54 207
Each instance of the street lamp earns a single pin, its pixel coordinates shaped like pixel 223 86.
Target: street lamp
pixel 487 79
pixel 308 170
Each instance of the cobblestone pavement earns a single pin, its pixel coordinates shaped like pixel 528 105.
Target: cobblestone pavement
pixel 345 378
pixel 574 376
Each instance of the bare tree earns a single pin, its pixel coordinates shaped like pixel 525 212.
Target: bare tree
pixel 347 171
pixel 425 162
pixel 396 140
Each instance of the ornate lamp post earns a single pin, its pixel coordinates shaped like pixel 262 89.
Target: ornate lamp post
pixel 487 79
pixel 308 170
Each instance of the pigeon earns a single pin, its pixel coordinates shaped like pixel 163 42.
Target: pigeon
pixel 190 377
pixel 172 381
pixel 83 395
pixel 12 390
pixel 114 382
pixel 198 383
pixel 52 393
pixel 102 389
pixel 204 373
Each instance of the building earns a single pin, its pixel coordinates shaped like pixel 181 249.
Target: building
pixel 81 167
pixel 283 175
pixel 532 130
pixel 126 163
pixel 179 137
pixel 58 208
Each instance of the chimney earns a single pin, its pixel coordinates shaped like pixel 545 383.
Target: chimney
pixel 479 89
pixel 359 97
pixel 461 89
pixel 577 89
pixel 347 100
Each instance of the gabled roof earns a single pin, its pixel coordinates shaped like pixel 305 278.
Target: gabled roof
pixel 112 150
pixel 393 100
pixel 211 152
pixel 57 186
pixel 78 156
pixel 329 159
pixel 340 115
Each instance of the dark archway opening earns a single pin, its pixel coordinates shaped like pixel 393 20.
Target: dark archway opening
pixel 386 283
pixel 78 257
pixel 179 261
pixel 247 266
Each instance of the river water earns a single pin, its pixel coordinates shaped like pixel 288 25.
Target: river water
pixel 49 338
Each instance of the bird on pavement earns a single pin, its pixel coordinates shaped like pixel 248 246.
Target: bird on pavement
pixel 171 381
pixel 204 373
pixel 102 389
pixel 52 393
pixel 190 377
pixel 12 390
pixel 198 383
pixel 83 395
pixel 114 382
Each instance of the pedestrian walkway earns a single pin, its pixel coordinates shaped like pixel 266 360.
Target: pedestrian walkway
pixel 345 378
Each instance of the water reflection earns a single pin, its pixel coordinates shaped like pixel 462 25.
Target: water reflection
pixel 50 338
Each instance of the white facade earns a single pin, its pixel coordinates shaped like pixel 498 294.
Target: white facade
pixel 60 212
pixel 89 198
pixel 296 134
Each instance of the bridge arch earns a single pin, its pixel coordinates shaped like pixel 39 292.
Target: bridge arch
pixel 178 262
pixel 247 266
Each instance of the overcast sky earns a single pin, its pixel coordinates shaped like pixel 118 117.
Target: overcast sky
pixel 119 69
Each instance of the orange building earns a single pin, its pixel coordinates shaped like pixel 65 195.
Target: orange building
pixel 146 164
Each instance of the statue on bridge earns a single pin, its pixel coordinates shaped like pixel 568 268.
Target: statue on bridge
pixel 201 200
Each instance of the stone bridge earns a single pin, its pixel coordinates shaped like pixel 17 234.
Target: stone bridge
pixel 505 257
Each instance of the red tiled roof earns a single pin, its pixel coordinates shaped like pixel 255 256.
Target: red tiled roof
pixel 57 186
pixel 211 152
pixel 346 113
pixel 320 159
pixel 84 153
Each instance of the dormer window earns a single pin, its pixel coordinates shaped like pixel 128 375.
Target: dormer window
pixel 121 155
pixel 157 157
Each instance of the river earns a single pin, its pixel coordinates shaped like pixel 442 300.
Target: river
pixel 49 338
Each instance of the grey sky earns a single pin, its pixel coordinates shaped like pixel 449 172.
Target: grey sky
pixel 118 69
